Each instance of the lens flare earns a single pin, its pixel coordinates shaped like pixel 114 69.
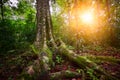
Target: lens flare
pixel 87 18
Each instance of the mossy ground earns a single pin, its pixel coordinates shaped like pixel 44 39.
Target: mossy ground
pixel 12 65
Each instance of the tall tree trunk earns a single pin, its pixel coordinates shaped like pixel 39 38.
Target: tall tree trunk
pixel 39 15
pixel 44 24
pixel 2 12
pixel 49 21
pixel 41 38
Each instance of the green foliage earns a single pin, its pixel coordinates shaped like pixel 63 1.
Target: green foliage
pixel 17 30
pixel 97 48
pixel 34 49
pixel 91 74
pixel 70 47
pixel 58 23
pixel 7 37
pixel 93 47
pixel 59 59
pixel 81 71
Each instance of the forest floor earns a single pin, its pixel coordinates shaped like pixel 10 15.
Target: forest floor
pixel 12 65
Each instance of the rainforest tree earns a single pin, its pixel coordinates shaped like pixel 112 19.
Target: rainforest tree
pixel 64 28
pixel 45 39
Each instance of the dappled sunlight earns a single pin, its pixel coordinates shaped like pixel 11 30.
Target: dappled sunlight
pixel 87 23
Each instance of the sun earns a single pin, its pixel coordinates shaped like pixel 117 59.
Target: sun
pixel 87 17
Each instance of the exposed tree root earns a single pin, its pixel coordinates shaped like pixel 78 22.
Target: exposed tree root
pixel 39 70
pixel 41 66
pixel 97 59
pixel 64 74
pixel 83 62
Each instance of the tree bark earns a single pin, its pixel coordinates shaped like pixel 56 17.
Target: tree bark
pixel 39 15
pixel 44 54
pixel 49 21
